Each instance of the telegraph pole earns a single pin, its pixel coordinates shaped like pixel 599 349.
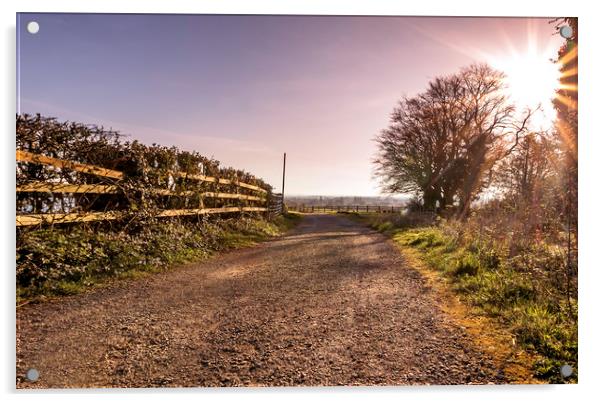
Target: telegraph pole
pixel 283 173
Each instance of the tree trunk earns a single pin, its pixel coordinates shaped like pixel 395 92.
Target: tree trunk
pixel 429 200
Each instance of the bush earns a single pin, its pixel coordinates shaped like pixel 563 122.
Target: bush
pixel 146 169
pixel 54 259
pixel 65 260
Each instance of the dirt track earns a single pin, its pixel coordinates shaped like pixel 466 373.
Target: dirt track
pixel 332 303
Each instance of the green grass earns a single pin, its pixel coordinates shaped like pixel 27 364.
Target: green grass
pixel 287 221
pixel 489 281
pixel 63 262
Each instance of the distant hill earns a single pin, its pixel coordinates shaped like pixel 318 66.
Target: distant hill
pixel 321 200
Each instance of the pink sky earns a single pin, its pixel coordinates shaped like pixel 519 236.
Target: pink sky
pixel 246 89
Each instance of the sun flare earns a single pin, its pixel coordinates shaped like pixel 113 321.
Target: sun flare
pixel 531 82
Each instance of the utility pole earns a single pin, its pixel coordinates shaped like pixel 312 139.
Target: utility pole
pixel 283 173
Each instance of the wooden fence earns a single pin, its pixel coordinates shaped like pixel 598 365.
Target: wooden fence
pixel 344 208
pixel 260 197
pixel 276 206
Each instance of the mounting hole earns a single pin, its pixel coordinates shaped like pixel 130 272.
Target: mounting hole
pixel 566 371
pixel 566 32
pixel 33 27
pixel 32 375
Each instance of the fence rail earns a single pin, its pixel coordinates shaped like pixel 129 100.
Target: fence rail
pixel 344 208
pixel 53 187
pixel 25 156
pixel 38 219
pixel 45 187
pixel 210 179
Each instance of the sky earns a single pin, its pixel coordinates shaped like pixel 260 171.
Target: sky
pixel 246 89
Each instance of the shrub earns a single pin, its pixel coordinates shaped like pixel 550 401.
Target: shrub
pixel 146 169
pixel 468 264
pixel 65 259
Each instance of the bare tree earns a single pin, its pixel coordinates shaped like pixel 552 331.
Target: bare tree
pixel 493 130
pixel 534 162
pixel 443 144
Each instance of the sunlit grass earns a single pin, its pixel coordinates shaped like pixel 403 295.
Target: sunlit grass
pixel 485 279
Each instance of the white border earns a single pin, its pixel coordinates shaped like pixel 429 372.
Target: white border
pixel 589 193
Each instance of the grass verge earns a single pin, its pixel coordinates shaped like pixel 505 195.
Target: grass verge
pixel 57 262
pixel 493 286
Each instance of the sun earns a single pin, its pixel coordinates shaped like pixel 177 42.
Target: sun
pixel 531 80
pixel 525 56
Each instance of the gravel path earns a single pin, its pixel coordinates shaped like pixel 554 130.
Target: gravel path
pixel 331 303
